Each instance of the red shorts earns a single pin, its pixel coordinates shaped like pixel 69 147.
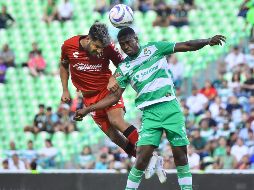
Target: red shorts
pixel 100 116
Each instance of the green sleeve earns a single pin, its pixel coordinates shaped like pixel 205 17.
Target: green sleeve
pixel 121 78
pixel 165 47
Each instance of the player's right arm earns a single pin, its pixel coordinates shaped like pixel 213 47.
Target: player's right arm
pixel 109 100
pixel 64 75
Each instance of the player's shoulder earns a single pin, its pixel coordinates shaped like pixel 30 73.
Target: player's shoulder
pixel 111 47
pixel 71 41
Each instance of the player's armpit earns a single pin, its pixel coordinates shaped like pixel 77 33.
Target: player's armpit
pixel 65 63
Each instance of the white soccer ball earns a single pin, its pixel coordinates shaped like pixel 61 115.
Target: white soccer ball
pixel 121 16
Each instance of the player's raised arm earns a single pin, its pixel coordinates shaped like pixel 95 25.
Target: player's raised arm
pixel 109 100
pixel 194 45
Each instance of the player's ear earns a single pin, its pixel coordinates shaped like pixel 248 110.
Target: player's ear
pixel 88 38
pixel 136 38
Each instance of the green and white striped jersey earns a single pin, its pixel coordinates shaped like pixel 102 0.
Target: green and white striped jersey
pixel 148 73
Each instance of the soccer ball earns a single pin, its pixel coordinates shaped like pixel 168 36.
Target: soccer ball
pixel 121 16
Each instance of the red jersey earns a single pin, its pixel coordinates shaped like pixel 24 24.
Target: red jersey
pixel 89 72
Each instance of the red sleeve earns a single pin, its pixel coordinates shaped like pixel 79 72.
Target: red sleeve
pixel 114 55
pixel 63 53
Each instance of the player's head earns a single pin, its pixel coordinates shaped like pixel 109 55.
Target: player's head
pixel 98 38
pixel 128 41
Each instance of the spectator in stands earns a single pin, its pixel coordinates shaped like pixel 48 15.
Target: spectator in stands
pixel 16 164
pixel 239 149
pixel 51 120
pixel 205 131
pixel 196 102
pixel 244 132
pixel 244 163
pixel 221 150
pixel 39 121
pixel 8 56
pixel 215 106
pixel 118 160
pixel 29 155
pixel 250 57
pixel 224 92
pixel 12 150
pixel 193 158
pixel 248 85
pixel 86 160
pixel 198 142
pixel 66 123
pixel 5 164
pixel 189 4
pixel 77 102
pixel 209 91
pixel 177 68
pixel 145 5
pixel 244 8
pixel 47 155
pixel 65 11
pixel 228 161
pixel 163 14
pixel 102 163
pixel 35 50
pixel 234 109
pixel 250 140
pixel 234 59
pixel 3 69
pixel 50 12
pixel 6 19
pixel 37 65
pixel 101 6
pixel 235 83
pixel 179 16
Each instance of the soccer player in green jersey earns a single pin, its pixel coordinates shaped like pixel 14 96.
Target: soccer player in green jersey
pixel 146 69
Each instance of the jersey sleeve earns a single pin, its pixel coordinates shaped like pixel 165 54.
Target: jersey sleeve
pixel 165 47
pixel 121 78
pixel 114 55
pixel 64 56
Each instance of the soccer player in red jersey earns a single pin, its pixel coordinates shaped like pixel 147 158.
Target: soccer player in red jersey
pixel 87 58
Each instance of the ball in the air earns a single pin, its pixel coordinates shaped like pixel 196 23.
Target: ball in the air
pixel 121 16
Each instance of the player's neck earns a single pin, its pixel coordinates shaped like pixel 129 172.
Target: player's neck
pixel 83 42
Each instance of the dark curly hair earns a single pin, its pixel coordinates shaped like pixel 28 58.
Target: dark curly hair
pixel 125 32
pixel 99 31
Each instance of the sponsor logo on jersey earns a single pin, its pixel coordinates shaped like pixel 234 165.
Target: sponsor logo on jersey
pixel 138 76
pixel 87 67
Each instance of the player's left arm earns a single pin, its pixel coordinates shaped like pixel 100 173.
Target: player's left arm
pixel 194 45
pixel 109 100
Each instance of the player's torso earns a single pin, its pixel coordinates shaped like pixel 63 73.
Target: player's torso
pixel 88 72
pixel 148 71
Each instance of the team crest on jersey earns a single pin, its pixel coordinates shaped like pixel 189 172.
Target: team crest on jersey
pixel 118 74
pixel 75 54
pixel 147 52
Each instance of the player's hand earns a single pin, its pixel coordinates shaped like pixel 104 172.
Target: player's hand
pixel 80 114
pixel 66 97
pixel 217 40
pixel 112 84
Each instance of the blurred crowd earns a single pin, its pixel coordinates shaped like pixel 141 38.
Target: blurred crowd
pixel 61 120
pixel 169 12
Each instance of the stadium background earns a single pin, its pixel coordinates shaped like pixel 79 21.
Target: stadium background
pixel 22 93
